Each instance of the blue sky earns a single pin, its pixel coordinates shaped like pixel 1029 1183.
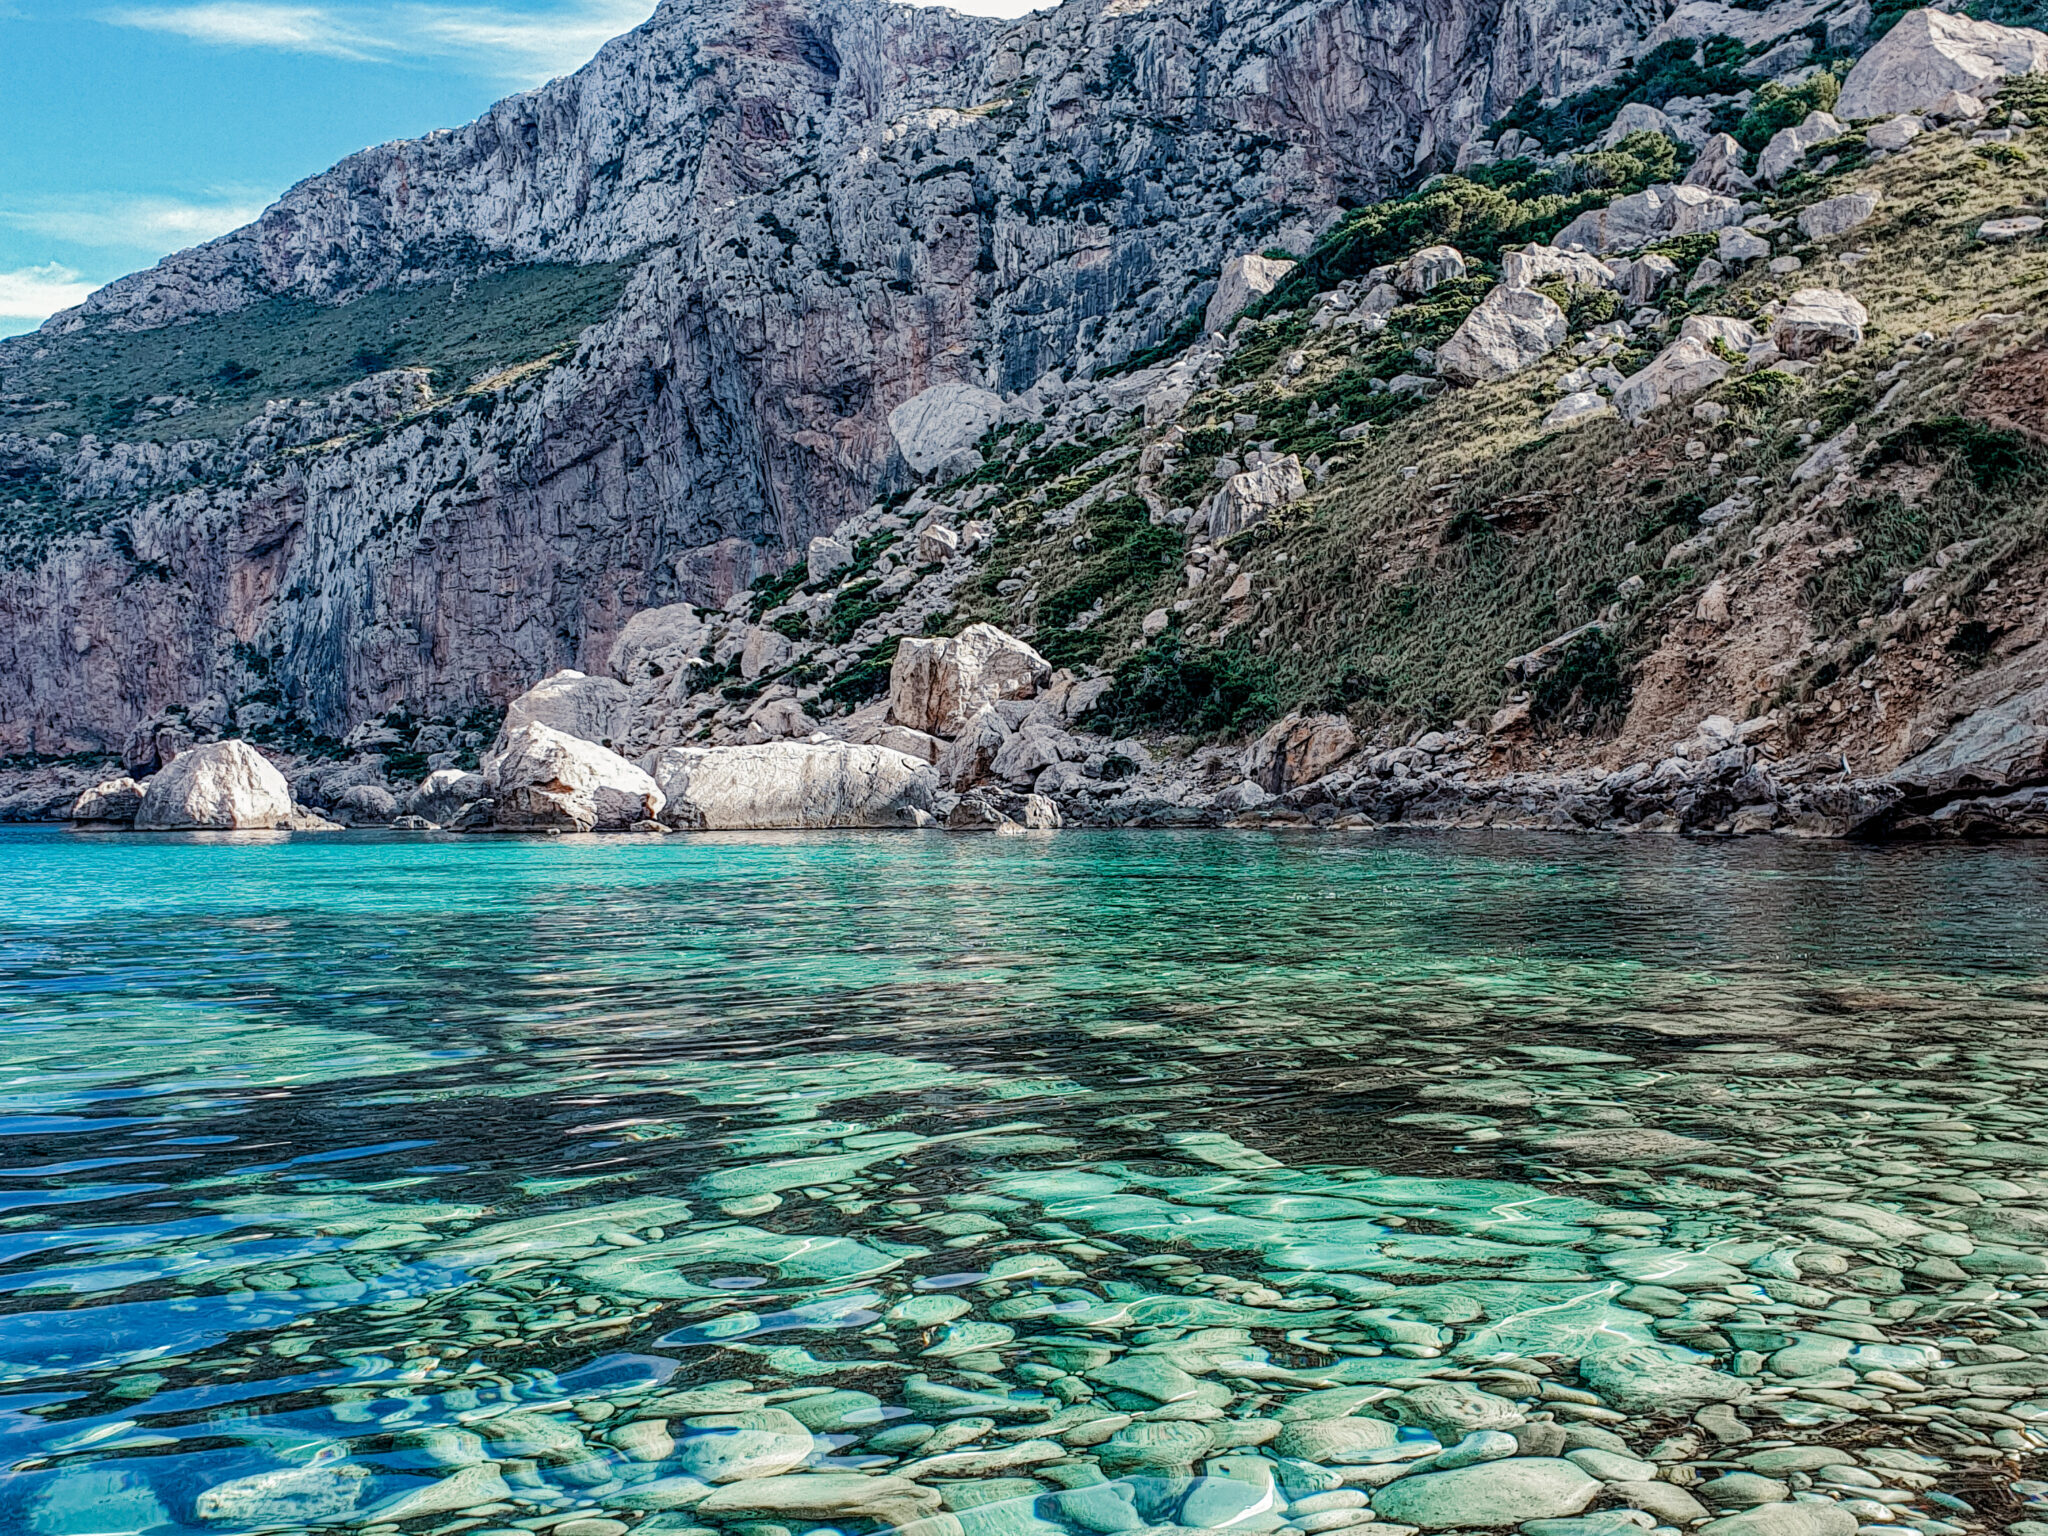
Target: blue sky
pixel 133 128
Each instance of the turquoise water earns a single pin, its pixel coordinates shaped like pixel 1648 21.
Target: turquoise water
pixel 327 1160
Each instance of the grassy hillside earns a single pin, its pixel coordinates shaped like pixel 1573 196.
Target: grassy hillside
pixel 127 384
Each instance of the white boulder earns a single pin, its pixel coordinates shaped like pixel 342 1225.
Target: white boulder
pixel 1637 117
pixel 1681 371
pixel 1817 320
pixel 1738 245
pixel 657 641
pixel 1243 279
pixel 1837 215
pixel 113 800
pixel 936 686
pixel 940 421
pixel 1630 222
pixel 1929 53
pixel 1428 267
pixel 1508 330
pixel 1580 406
pixel 219 784
pixel 589 708
pixel 1299 749
pixel 788 785
pixel 1250 496
pixel 1641 280
pixel 1789 146
pixel 763 650
pixel 2006 231
pixel 969 759
pixel 1894 134
pixel 544 778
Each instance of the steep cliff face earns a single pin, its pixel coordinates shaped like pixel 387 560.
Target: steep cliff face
pixel 824 208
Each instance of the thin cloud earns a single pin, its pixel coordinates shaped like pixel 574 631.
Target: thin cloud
pixel 33 294
pixel 153 224
pixel 247 24
pixel 521 47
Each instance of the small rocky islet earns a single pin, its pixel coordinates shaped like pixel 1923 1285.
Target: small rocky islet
pixel 1813 1310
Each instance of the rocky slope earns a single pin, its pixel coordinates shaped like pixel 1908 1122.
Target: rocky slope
pixel 813 213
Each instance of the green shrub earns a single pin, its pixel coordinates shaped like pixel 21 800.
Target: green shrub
pixel 1679 67
pixel 1173 686
pixel 1775 107
pixel 1586 687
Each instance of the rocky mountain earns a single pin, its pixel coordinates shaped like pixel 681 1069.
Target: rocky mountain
pixel 649 321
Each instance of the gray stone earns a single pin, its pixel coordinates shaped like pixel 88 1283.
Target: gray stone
pixel 1509 330
pixel 658 642
pixel 1894 134
pixel 1788 147
pixel 1579 406
pixel 2006 231
pixel 939 421
pixel 1718 167
pixel 1837 215
pixel 1251 496
pixel 1427 268
pixel 727 1448
pixel 1817 320
pixel 443 793
pixel 1677 374
pixel 826 555
pixel 1790 1519
pixel 1647 1380
pixel 1334 1442
pixel 287 1496
pixel 1489 1496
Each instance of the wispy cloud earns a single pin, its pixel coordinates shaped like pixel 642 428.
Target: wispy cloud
pixel 524 47
pixel 35 293
pixel 153 224
pixel 248 24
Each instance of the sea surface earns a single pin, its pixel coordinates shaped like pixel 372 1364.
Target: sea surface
pixel 327 1159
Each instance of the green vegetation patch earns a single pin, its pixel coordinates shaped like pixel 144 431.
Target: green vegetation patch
pixel 229 365
pixel 1173 686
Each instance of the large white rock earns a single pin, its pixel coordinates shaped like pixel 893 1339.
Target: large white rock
pixel 1736 245
pixel 1508 330
pixel 1637 117
pixel 785 785
pixel 541 778
pixel 220 784
pixel 1817 320
pixel 590 708
pixel 1837 215
pixel 1719 167
pixel 1738 335
pixel 1676 374
pixel 1249 497
pixel 936 686
pixel 1788 147
pixel 827 554
pixel 658 641
pixel 1242 279
pixel 1298 750
pixel 443 793
pixel 969 759
pixel 940 421
pixel 1929 53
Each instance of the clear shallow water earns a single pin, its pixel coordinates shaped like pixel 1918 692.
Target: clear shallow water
pixel 327 1159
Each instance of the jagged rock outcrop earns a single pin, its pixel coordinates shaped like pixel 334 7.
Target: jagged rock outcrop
pixel 824 209
pixel 1511 329
pixel 114 801
pixel 589 708
pixel 1929 53
pixel 936 686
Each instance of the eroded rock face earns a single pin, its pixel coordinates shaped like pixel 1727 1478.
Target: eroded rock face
pixel 543 779
pixel 1243 279
pixel 1299 750
pixel 790 785
pixel 936 686
pixel 1250 497
pixel 937 423
pixel 737 402
pixel 1682 370
pixel 1817 320
pixel 223 784
pixel 1929 53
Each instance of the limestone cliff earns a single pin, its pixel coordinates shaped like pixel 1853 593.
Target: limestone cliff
pixel 815 211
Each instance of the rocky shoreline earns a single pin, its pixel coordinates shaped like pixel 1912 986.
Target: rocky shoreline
pixel 979 733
